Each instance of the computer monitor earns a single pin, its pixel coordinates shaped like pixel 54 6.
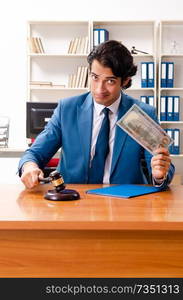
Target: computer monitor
pixel 38 115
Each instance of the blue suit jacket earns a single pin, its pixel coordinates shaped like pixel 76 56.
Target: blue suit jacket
pixel 71 127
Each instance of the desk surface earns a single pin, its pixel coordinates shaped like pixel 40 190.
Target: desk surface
pixel 27 209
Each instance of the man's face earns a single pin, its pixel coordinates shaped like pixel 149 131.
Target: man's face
pixel 104 85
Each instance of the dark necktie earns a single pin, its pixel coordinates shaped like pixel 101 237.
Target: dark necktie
pixel 96 172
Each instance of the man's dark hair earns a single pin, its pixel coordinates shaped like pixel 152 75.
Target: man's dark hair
pixel 117 57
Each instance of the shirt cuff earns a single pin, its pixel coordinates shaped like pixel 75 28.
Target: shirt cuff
pixel 159 182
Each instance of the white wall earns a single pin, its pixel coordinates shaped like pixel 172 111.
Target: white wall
pixel 13 31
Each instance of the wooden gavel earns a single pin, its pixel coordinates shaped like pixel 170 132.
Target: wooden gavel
pixel 59 193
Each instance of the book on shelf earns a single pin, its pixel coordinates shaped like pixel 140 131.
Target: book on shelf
pixel 35 45
pixel 75 45
pixel 86 44
pixel 41 45
pixel 79 79
pixel 33 82
pixel 70 46
pixel 80 83
pixel 47 83
pixel 58 85
pixel 70 79
pixel 73 85
pixel 78 45
pixel 84 83
pixel 78 76
pixel 31 45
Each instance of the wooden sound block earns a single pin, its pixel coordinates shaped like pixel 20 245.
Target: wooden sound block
pixel 64 195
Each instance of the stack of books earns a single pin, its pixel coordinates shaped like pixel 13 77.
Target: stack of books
pixel 78 45
pixel 46 84
pixel 80 79
pixel 35 45
pixel 40 83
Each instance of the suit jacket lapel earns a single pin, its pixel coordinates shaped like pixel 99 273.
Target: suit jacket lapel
pixel 120 134
pixel 84 119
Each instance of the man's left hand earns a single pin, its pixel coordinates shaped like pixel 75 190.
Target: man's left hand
pixel 160 163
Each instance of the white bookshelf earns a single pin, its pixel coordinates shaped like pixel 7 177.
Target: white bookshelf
pixel 171 50
pixel 142 35
pixel 55 64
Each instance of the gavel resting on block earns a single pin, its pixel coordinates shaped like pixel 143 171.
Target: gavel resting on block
pixel 59 193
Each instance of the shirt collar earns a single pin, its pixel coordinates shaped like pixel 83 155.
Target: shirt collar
pixel 113 107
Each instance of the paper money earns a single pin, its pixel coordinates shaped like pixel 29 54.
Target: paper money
pixel 144 129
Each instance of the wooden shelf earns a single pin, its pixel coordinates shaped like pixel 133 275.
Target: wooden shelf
pixel 172 55
pixel 171 122
pixel 58 88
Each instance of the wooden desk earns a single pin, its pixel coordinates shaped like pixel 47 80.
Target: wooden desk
pixel 95 236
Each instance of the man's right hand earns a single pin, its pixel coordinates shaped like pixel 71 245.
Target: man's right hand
pixel 31 174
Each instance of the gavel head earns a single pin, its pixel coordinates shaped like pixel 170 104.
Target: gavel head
pixel 57 180
pixel 59 193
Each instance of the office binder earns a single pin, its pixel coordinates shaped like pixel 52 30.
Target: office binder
pixel 143 99
pixel 169 108
pixel 176 145
pixel 163 108
pixel 103 35
pixel 150 76
pixel 144 73
pixel 163 74
pixel 150 100
pixel 170 74
pixel 125 190
pixel 171 135
pixel 96 40
pixel 176 108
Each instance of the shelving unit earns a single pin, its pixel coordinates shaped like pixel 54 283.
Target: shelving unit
pixel 142 35
pixel 55 64
pixel 171 50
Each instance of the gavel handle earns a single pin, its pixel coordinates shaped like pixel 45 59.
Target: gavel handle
pixel 45 180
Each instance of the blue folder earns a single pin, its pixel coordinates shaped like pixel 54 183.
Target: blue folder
pixel 144 73
pixel 164 68
pixel 125 190
pixel 170 74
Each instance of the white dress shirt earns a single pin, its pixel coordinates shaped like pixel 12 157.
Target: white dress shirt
pixel 98 116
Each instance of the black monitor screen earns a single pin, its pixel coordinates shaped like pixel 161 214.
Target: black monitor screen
pixel 38 115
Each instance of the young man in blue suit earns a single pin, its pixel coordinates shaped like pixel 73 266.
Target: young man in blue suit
pixel 77 121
